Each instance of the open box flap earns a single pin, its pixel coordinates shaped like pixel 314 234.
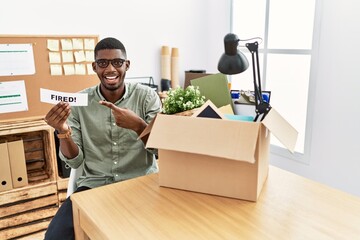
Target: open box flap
pixel 281 129
pixel 214 137
pixel 147 130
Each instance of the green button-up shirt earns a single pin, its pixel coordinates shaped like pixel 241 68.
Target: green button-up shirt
pixel 110 153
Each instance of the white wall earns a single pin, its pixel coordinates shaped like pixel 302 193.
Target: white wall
pixel 197 28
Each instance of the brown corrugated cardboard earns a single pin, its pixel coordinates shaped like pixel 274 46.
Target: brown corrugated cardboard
pixel 215 175
pixel 233 140
pixel 17 163
pixel 214 156
pixel 5 174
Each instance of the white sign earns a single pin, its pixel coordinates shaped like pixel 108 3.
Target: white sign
pixel 54 97
pixel 16 59
pixel 13 96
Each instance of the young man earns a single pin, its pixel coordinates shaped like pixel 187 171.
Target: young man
pixel 102 137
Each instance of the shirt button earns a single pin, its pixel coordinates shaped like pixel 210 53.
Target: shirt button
pixel 116 175
pixel 115 162
pixel 114 124
pixel 114 143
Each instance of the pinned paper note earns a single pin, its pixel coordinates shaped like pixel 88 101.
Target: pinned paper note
pixel 13 96
pixel 69 69
pixel 66 44
pixel 89 44
pixel 67 56
pixel 90 70
pixel 80 69
pixel 78 43
pixel 55 69
pixel 89 56
pixel 16 59
pixel 79 56
pixel 53 44
pixel 54 57
pixel 54 97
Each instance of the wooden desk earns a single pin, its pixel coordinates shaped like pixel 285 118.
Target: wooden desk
pixel 289 207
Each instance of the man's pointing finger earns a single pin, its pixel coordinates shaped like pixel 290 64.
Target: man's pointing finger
pixel 108 104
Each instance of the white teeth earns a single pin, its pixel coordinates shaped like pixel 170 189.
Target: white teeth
pixel 111 77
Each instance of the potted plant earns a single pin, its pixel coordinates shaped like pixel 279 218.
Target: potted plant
pixel 181 101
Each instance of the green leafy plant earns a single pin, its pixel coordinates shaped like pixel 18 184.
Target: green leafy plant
pixel 180 100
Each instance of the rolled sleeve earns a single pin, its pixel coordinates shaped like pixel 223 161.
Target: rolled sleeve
pixel 73 162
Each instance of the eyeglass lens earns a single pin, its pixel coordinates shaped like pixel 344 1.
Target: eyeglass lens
pixel 103 63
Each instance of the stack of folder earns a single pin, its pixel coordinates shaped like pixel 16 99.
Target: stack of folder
pixel 13 172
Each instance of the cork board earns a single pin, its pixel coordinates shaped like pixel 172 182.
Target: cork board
pixel 46 76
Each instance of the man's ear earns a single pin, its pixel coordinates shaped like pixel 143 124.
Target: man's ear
pixel 94 66
pixel 127 66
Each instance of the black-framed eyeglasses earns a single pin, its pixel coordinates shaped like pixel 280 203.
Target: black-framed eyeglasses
pixel 116 62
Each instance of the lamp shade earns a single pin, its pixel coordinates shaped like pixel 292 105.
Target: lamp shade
pixel 232 61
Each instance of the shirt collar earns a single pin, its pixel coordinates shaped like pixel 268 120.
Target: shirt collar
pixel 126 94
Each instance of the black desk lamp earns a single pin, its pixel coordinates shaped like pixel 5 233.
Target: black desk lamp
pixel 233 62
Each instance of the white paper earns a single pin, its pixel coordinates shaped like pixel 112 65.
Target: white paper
pixel 53 45
pixel 89 56
pixel 89 44
pixel 67 56
pixel 69 69
pixel 54 97
pixel 16 59
pixel 13 96
pixel 79 56
pixel 80 69
pixel 78 44
pixel 90 70
pixel 55 69
pixel 66 44
pixel 54 57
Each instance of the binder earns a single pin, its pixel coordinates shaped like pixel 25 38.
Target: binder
pixel 17 164
pixel 5 173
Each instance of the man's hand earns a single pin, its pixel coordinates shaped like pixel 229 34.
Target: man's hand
pixel 57 116
pixel 126 118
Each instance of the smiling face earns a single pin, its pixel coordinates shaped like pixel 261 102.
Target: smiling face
pixel 111 65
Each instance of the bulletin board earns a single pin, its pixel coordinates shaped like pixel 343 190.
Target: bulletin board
pixel 61 63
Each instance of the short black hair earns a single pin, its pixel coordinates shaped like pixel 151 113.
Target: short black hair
pixel 109 43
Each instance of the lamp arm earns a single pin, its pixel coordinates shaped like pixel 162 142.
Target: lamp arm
pixel 261 107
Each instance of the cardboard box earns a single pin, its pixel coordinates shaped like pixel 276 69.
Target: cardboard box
pixel 216 156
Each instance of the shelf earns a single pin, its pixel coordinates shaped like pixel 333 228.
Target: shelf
pixel 29 209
